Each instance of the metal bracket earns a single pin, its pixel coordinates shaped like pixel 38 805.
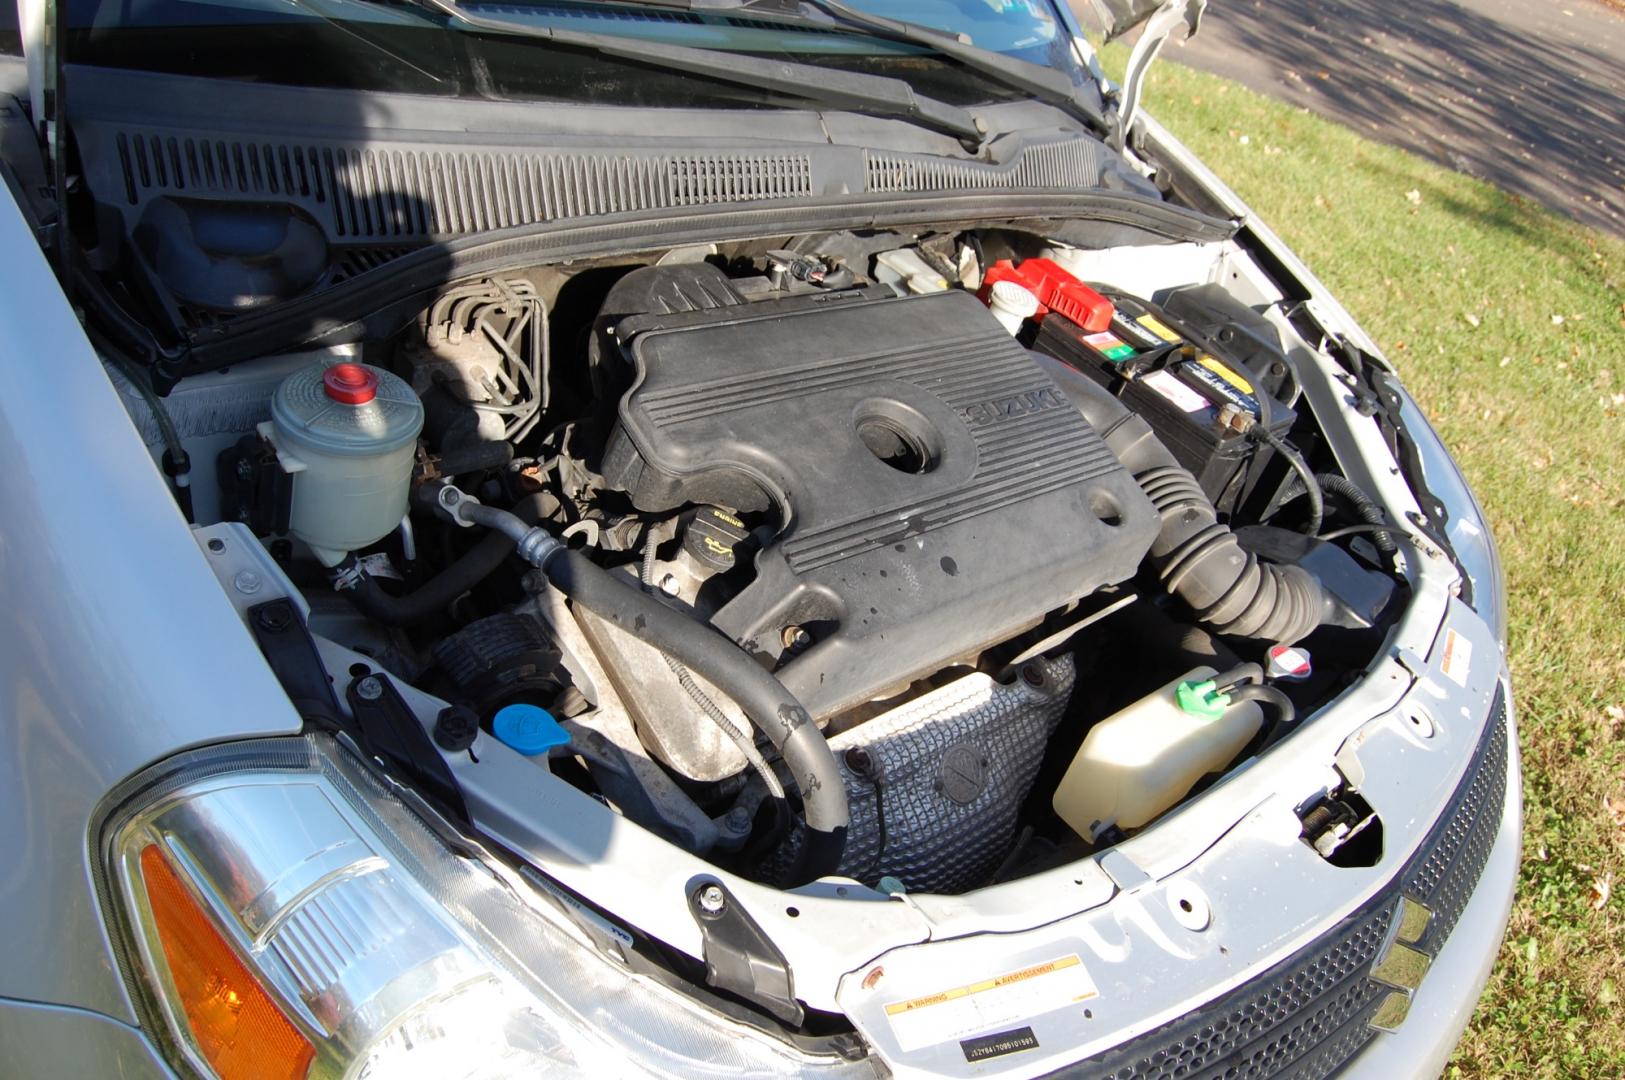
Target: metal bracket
pixel 285 641
pixel 740 957
pixel 390 730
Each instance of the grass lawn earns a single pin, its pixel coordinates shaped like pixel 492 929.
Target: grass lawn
pixel 1508 324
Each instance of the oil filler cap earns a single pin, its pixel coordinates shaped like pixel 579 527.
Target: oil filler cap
pixel 529 729
pixel 350 384
pixel 716 538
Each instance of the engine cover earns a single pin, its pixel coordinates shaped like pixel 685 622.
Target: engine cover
pixel 936 489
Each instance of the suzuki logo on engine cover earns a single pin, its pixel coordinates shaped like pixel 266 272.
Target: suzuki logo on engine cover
pixel 1004 408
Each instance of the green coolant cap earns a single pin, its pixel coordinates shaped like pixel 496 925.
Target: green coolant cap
pixel 1201 699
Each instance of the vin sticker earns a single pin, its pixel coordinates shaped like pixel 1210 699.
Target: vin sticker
pixel 1183 397
pixel 999 1044
pixel 969 1011
pixel 1458 657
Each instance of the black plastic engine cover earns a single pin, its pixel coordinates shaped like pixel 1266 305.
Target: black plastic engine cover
pixel 937 490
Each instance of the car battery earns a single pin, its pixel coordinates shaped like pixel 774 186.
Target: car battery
pixel 1197 399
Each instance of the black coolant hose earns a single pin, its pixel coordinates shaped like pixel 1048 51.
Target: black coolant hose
pixel 436 594
pixel 722 663
pixel 1272 696
pixel 1196 557
pixel 1364 506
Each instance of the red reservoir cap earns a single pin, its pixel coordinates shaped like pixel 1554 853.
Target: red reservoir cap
pixel 351 384
pixel 1057 290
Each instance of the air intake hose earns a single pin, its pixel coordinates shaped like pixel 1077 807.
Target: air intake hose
pixel 1198 559
pixel 762 698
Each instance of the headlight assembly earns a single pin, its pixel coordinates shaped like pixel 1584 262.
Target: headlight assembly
pixel 282 914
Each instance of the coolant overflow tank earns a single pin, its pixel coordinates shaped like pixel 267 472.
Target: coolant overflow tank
pixel 1140 761
pixel 346 433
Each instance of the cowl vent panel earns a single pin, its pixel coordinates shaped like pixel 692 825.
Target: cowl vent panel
pixel 404 192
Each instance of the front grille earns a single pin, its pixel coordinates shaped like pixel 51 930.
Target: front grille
pixel 1307 1017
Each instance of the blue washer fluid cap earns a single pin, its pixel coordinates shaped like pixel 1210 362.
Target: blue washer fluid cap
pixel 529 729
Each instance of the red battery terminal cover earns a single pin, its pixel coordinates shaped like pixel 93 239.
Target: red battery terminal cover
pixel 1056 289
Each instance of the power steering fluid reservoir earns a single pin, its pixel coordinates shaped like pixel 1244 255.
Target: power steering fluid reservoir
pixel 346 434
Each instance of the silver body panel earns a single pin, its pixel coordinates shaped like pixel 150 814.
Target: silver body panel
pixel 119 648
pixel 49 1040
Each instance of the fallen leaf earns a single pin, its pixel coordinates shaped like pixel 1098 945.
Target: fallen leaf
pixel 1615 810
pixel 1414 197
pixel 1557 320
pixel 1472 320
pixel 1601 889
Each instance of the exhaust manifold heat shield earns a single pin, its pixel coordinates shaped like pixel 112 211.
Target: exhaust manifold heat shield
pixel 953 768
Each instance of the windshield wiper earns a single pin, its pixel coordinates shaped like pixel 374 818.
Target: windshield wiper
pixel 873 94
pixel 1045 84
pixel 1042 83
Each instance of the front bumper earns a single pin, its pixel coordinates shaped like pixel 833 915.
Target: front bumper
pixel 1297 956
pixel 1312 1016
pixel 1442 1007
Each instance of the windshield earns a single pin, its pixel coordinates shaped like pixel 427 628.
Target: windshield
pixel 389 45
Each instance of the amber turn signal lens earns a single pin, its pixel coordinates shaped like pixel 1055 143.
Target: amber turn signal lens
pixel 236 1026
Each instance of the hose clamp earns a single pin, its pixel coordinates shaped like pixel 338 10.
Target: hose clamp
pixel 348 575
pixel 538 546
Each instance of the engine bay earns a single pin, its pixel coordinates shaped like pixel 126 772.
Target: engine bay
pixel 928 560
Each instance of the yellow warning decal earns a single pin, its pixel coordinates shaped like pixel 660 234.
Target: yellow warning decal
pixel 995 983
pixel 1157 327
pixel 1225 373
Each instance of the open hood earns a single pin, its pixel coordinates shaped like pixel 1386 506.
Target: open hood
pixel 1118 17
pixel 1160 18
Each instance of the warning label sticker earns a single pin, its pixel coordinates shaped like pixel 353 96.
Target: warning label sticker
pixel 1458 657
pixel 1225 387
pixel 1168 385
pixel 1157 327
pixel 1140 335
pixel 1225 373
pixel 992 1004
pixel 1109 345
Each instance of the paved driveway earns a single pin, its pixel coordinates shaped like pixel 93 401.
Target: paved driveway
pixel 1528 94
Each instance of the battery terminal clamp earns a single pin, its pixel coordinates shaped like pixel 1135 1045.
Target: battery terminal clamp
pixel 1055 289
